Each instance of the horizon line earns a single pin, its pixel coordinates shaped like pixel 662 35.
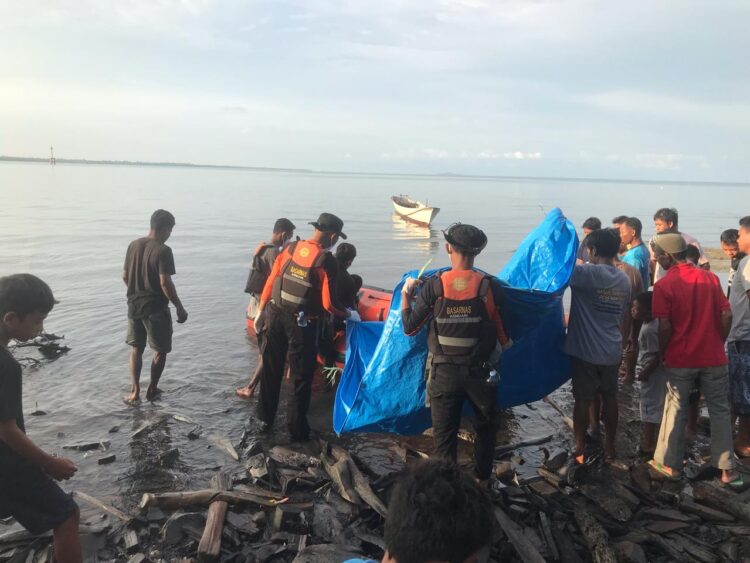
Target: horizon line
pixel 441 175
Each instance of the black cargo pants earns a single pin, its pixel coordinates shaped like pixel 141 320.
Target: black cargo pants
pixel 449 387
pixel 284 340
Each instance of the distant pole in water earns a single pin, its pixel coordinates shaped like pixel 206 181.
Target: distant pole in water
pixel 52 159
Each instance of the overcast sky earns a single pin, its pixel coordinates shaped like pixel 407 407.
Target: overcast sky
pixel 634 89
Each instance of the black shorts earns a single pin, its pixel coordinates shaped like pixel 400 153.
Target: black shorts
pixel 34 499
pixel 590 379
pixel 157 327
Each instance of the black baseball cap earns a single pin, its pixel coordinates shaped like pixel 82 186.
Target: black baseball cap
pixel 465 238
pixel 329 223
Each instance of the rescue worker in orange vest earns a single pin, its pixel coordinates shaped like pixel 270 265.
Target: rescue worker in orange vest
pixel 465 340
pixel 299 291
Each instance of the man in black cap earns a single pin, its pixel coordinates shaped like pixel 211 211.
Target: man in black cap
pixel 263 259
pixel 465 341
pixel 299 291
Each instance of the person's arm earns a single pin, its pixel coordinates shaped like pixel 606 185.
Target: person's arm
pixel 665 335
pixel 57 467
pixel 125 265
pixel 651 364
pixel 493 304
pixel 265 297
pixel 726 323
pixel 414 318
pixel 170 291
pixel 166 271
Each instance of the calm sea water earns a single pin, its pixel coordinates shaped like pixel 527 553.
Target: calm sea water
pixel 71 224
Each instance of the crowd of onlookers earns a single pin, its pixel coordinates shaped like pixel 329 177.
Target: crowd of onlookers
pixel 653 311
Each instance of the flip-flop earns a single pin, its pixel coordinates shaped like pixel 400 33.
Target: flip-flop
pixel 663 472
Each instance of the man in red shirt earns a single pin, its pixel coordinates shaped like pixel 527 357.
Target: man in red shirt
pixel 694 321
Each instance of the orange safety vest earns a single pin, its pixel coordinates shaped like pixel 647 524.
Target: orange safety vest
pixel 293 289
pixel 462 330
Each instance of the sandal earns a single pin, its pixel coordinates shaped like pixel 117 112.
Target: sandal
pixel 664 472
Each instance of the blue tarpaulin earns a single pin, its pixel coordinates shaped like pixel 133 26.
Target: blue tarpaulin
pixel 382 388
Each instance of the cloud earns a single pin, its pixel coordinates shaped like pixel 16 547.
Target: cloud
pixel 732 115
pixel 651 161
pixel 443 154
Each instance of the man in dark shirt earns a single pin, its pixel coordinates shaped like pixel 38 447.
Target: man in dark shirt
pixel 263 259
pixel 465 340
pixel 590 224
pixel 148 271
pixel 300 290
pixel 27 491
pixel 346 287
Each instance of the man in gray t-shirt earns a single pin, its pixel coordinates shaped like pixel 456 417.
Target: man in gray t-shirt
pixel 738 343
pixel 600 294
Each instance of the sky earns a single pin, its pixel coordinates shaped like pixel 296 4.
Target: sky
pixel 576 88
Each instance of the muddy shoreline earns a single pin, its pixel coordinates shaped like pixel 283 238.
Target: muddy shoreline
pixel 291 509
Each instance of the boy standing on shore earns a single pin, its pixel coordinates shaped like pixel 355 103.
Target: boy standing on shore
pixel 27 491
pixel 650 373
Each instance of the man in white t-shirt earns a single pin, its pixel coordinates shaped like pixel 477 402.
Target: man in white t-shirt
pixel 666 221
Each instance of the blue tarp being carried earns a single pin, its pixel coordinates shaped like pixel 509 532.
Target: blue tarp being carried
pixel 382 388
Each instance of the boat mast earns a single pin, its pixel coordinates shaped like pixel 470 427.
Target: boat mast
pixel 52 159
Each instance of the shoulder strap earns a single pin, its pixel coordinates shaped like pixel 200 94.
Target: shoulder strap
pixel 484 287
pixel 321 258
pixel 439 287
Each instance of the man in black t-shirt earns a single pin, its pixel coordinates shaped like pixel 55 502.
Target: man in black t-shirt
pixel 148 271
pixel 27 490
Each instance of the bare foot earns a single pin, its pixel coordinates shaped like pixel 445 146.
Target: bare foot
pixel 245 392
pixel 152 393
pixel 133 399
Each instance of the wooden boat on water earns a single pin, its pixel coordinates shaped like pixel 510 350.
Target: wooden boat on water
pixel 413 210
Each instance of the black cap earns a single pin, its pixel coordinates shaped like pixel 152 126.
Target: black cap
pixel 283 225
pixel 329 223
pixel 465 238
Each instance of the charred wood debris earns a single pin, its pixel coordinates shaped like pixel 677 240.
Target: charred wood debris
pixel 318 503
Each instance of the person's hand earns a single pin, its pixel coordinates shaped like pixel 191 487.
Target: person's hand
pixel 259 320
pixel 508 344
pixel 410 286
pixel 182 315
pixel 354 316
pixel 60 468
